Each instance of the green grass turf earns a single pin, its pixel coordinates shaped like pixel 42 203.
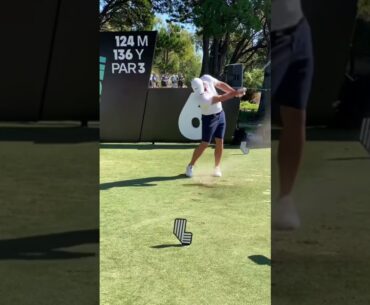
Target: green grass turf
pixel 141 195
pixel 48 186
pixel 327 260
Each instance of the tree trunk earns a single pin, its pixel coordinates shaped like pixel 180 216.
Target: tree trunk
pixel 215 51
pixel 223 53
pixel 211 59
pixel 236 52
pixel 205 60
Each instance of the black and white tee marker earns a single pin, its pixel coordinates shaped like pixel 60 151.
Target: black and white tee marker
pixel 179 230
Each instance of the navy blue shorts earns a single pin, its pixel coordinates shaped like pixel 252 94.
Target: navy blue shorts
pixel 291 66
pixel 213 126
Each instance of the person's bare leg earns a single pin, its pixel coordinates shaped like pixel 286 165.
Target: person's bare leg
pixel 291 144
pixel 218 151
pixel 292 138
pixel 198 152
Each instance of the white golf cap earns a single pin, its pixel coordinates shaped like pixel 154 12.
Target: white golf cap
pixel 197 85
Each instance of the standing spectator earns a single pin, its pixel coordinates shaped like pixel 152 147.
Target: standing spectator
pixel 154 81
pixel 151 81
pixel 181 81
pixel 174 81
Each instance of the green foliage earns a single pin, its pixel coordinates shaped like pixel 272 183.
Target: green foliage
pixel 175 51
pixel 170 44
pixel 190 68
pixel 254 78
pixel 247 112
pixel 364 10
pixel 232 31
pixel 229 31
pixel 248 106
pixel 217 17
pixel 126 15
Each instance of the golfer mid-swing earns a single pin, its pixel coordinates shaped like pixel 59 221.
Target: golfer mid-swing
pixel 213 117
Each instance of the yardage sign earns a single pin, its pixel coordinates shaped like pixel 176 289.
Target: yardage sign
pixel 129 57
pixel 128 54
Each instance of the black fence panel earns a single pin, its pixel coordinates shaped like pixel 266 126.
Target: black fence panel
pixel 24 66
pixel 72 86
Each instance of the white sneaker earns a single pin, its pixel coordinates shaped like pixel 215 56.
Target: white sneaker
pixel 189 171
pixel 217 172
pixel 285 215
pixel 244 148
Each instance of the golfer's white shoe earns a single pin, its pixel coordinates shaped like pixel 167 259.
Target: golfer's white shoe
pixel 285 215
pixel 244 148
pixel 217 172
pixel 189 171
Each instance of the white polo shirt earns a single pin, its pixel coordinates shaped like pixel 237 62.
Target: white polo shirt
pixel 205 100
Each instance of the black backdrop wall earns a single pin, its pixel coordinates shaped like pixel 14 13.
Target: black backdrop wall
pixel 47 61
pixel 129 57
pixel 163 115
pixel 132 112
pixel 332 24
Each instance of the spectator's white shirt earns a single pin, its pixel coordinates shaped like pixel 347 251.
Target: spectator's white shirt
pixel 206 98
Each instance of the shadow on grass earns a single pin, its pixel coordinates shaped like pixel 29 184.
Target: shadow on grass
pixel 48 247
pixel 167 246
pixel 260 260
pixel 140 182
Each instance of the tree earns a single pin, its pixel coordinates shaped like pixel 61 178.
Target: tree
pixel 175 51
pixel 125 15
pixel 190 63
pixel 170 45
pixel 231 30
pixel 254 78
